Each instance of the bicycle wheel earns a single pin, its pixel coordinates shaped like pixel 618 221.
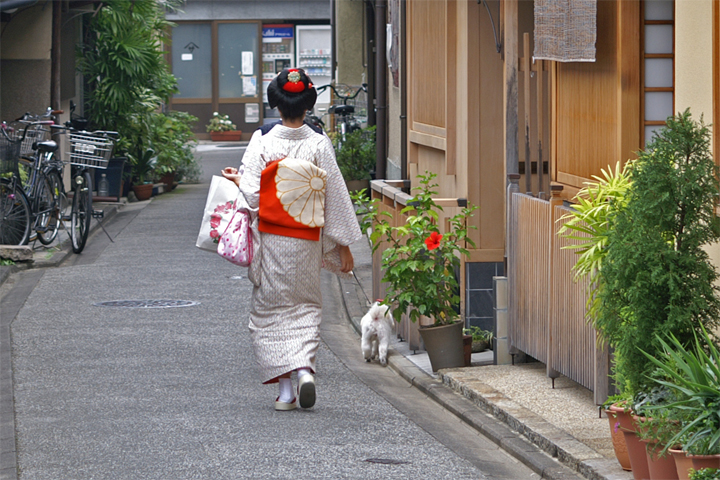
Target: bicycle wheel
pixel 14 214
pixel 48 220
pixel 81 214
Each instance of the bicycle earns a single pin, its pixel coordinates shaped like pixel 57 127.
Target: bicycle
pixel 345 113
pixel 42 203
pixel 87 150
pixel 31 206
pixel 46 172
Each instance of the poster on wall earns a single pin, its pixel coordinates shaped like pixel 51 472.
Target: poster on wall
pixel 252 113
pixel 247 63
pixel 249 86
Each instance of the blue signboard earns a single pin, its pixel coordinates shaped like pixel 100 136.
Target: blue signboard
pixel 277 32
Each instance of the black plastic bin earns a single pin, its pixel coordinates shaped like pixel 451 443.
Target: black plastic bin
pixel 114 175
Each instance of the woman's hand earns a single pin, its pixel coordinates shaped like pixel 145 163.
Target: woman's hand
pixel 231 173
pixel 346 259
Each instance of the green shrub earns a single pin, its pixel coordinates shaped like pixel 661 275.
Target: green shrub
pixel 356 154
pixel 705 474
pixel 657 278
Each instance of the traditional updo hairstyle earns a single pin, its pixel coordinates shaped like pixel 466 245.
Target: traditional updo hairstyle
pixel 292 92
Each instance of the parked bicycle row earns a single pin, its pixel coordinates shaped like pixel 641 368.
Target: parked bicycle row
pixel 33 197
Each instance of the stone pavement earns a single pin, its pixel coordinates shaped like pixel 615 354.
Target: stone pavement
pixel 563 422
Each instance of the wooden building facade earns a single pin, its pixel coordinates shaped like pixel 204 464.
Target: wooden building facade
pixel 480 108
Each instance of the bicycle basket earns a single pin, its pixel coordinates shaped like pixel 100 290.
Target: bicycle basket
pixel 33 134
pixel 90 149
pixel 10 142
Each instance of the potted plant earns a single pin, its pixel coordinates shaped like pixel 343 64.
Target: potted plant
pixel 705 474
pixel 221 129
pixel 143 167
pixel 656 277
pixel 692 373
pixel 481 339
pixel 656 427
pixel 421 266
pixel 356 157
pixel 172 137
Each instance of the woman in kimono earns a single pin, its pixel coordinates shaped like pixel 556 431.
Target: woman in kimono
pixel 305 222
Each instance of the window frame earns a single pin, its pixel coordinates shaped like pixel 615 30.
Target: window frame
pixel 643 56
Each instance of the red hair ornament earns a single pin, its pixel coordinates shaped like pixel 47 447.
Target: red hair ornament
pixel 294 83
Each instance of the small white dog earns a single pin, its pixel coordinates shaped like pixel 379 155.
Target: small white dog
pixel 376 330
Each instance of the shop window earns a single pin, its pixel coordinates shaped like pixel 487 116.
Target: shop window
pixel 192 59
pixel 238 49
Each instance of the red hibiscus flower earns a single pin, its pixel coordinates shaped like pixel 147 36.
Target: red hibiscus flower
pixel 215 221
pixel 214 234
pixel 433 241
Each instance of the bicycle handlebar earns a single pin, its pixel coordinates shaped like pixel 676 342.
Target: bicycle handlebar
pixel 322 88
pixel 27 124
pixel 68 126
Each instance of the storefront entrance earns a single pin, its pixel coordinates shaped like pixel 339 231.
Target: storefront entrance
pixel 218 67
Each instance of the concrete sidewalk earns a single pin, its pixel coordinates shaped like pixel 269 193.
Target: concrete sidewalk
pixel 52 255
pixel 563 422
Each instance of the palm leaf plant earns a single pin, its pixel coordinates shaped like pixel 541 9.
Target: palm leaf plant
pixel 589 223
pixel 692 373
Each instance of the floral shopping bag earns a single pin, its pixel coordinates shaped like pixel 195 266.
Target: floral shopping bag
pixel 218 212
pixel 236 244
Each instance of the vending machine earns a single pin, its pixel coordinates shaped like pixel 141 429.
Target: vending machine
pixel 277 53
pixel 314 55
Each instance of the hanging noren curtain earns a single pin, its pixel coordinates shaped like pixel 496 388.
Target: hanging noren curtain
pixel 565 30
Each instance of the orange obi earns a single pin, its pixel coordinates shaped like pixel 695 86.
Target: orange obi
pixel 292 199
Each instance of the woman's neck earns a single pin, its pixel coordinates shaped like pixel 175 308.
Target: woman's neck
pixel 293 123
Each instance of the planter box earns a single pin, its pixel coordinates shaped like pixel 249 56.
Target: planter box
pixel 357 185
pixel 233 136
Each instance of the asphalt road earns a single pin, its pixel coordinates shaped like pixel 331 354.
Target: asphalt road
pixel 173 393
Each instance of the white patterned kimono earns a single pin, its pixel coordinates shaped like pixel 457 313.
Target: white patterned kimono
pixel 286 302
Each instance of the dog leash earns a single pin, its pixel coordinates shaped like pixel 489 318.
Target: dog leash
pixel 361 287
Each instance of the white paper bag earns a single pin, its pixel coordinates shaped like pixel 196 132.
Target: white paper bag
pixel 218 212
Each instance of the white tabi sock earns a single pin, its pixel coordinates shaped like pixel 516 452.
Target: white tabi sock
pixel 286 390
pixel 303 371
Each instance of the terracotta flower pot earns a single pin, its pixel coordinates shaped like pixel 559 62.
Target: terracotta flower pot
pixel 144 191
pixel 169 180
pixel 467 349
pixel 705 461
pixel 636 449
pixel 231 136
pixel 660 468
pixel 618 437
pixel 683 463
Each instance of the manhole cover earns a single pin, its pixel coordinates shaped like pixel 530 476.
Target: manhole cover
pixel 147 303
pixel 386 461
